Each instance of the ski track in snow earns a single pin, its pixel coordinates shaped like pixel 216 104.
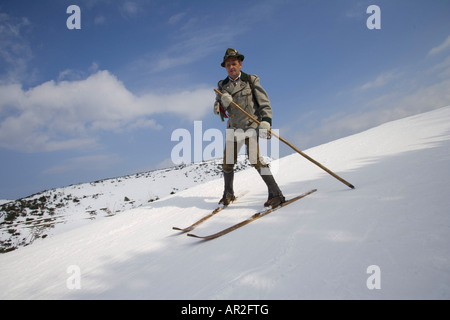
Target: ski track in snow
pixel 317 248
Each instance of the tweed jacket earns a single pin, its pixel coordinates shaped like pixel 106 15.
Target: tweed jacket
pixel 255 102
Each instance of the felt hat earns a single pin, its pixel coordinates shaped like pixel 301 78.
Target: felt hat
pixel 232 53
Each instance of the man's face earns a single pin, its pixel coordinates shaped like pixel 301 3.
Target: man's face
pixel 233 66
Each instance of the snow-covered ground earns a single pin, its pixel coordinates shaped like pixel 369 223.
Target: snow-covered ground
pixel 387 239
pixel 51 212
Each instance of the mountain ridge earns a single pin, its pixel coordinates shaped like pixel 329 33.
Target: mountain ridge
pixel 40 215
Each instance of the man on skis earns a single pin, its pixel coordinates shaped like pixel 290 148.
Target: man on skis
pixel 246 91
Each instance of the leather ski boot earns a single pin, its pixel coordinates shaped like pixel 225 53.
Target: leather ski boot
pixel 276 197
pixel 228 194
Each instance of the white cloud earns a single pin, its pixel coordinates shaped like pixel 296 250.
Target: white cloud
pixel 440 48
pixel 15 51
pixel 382 80
pixel 390 96
pixel 356 11
pixel 388 107
pixel 95 163
pixel 192 44
pixel 130 9
pixel 176 18
pixel 67 114
pixel 196 37
pixel 443 68
pixel 100 20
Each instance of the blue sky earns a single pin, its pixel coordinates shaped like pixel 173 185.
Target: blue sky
pixel 103 101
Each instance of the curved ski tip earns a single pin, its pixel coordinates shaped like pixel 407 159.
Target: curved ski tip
pixel 193 235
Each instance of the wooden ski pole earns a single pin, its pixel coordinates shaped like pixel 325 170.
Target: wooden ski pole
pixel 291 145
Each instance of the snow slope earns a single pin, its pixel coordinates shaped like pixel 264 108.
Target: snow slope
pixel 320 247
pixel 48 213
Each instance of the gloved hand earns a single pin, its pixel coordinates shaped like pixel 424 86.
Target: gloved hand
pixel 217 108
pixel 264 130
pixel 226 99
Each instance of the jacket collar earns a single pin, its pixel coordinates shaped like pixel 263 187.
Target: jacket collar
pixel 244 77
